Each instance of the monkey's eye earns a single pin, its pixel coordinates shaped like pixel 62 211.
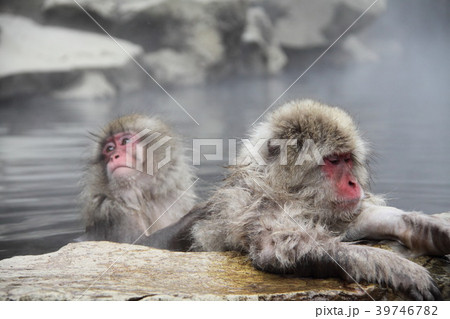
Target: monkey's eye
pixel 333 160
pixel 109 148
pixel 125 140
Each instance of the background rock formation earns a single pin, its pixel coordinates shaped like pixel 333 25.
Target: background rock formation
pixel 178 42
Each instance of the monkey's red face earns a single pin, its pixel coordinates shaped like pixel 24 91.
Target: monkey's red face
pixel 338 171
pixel 115 154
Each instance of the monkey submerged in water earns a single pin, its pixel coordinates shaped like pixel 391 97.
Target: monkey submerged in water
pixel 123 203
pixel 298 196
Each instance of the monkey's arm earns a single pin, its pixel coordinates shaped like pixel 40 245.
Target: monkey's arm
pixel 423 234
pixel 313 254
pixel 176 237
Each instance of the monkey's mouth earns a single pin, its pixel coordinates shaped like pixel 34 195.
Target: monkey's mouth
pixel 121 170
pixel 348 204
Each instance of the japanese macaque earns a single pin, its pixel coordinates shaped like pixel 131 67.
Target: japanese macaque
pixel 296 199
pixel 138 181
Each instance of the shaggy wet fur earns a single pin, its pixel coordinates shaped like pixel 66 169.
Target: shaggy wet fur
pixel 285 217
pixel 122 209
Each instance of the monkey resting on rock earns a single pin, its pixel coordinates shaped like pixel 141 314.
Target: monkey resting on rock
pixel 296 204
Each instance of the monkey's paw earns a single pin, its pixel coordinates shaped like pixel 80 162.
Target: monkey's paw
pixel 417 284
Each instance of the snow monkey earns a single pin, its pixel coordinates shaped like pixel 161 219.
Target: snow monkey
pixel 301 203
pixel 126 198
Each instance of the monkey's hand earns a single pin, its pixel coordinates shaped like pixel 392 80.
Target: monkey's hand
pixel 422 234
pixel 387 269
pixel 314 255
pixel 426 235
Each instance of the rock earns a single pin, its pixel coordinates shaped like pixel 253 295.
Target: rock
pixel 439 269
pixel 303 24
pixel 69 14
pixel 91 85
pixel 28 8
pixel 187 53
pixel 193 41
pixel 202 37
pixel 261 50
pixel 151 23
pixel 187 42
pixel 40 59
pixel 112 271
pixel 169 66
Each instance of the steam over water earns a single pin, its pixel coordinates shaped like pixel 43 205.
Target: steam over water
pixel 401 102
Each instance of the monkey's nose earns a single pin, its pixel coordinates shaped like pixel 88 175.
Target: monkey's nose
pixel 114 156
pixel 352 184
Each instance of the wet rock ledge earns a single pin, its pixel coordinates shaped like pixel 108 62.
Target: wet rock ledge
pixel 111 271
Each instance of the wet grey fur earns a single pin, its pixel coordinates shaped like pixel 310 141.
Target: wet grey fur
pixel 283 217
pixel 125 209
